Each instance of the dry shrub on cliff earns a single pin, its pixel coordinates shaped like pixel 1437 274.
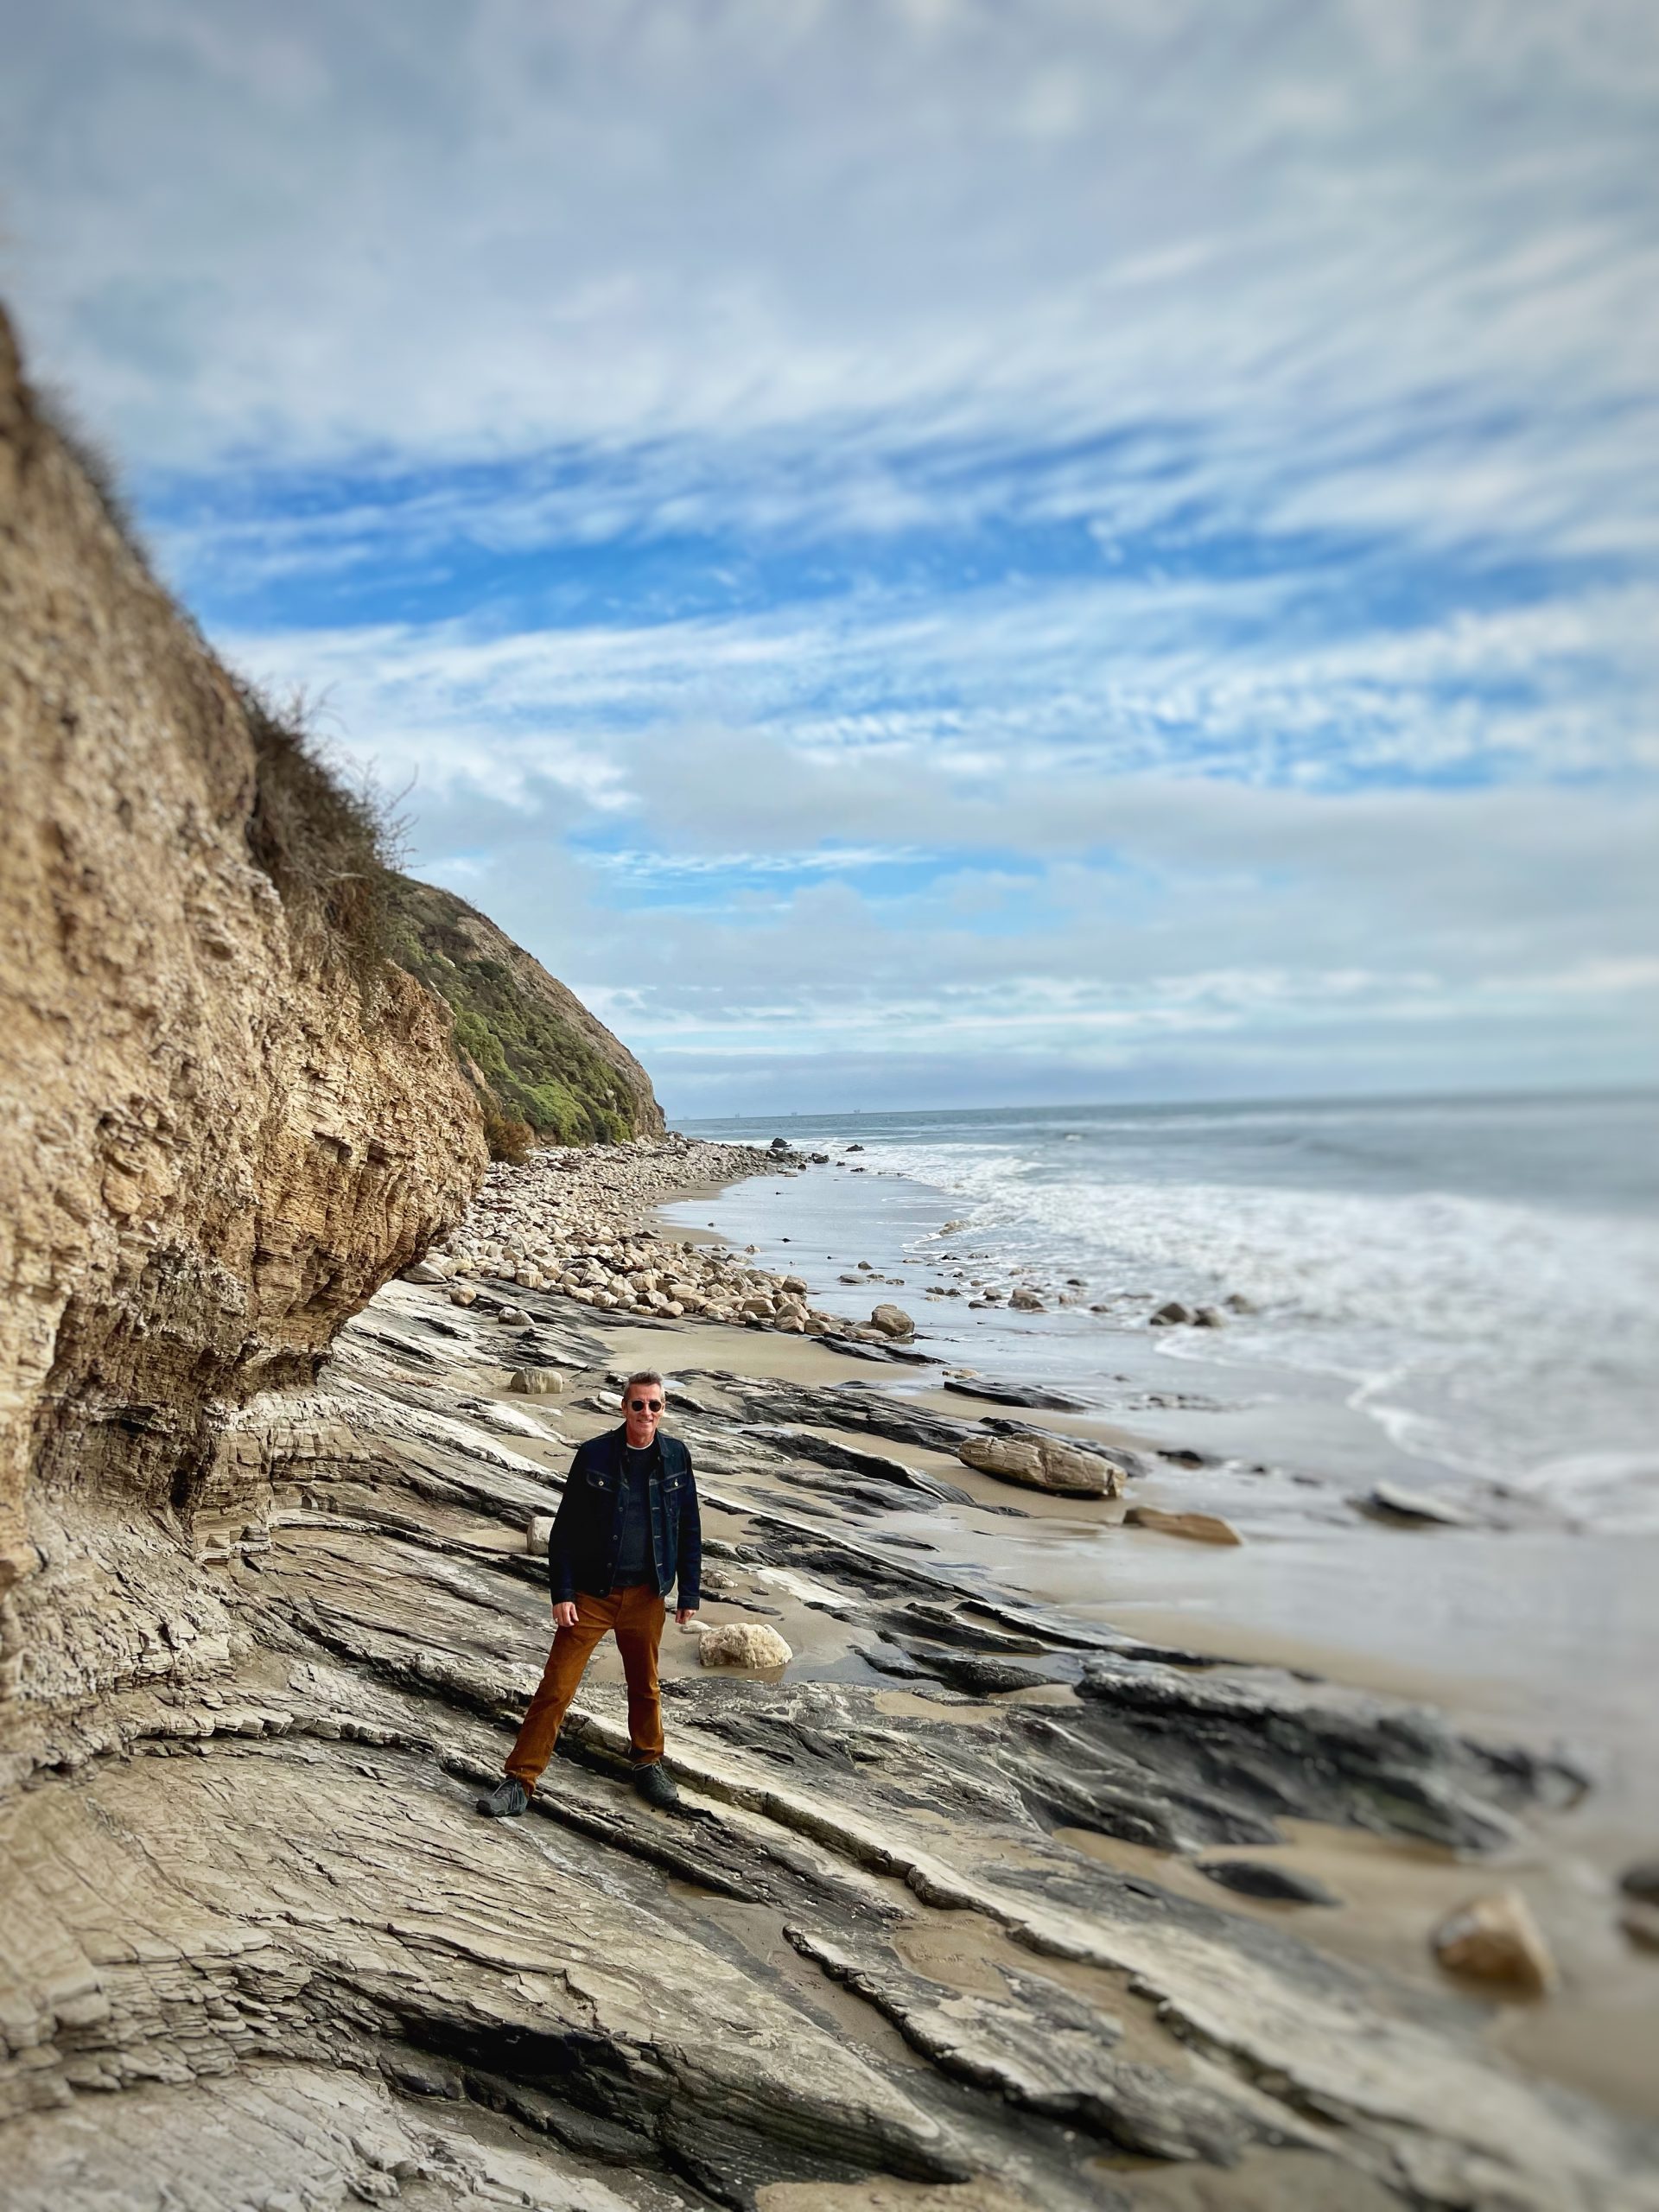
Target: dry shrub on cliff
pixel 329 846
pixel 89 452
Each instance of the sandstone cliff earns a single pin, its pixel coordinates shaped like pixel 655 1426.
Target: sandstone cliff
pixel 538 1059
pixel 224 1127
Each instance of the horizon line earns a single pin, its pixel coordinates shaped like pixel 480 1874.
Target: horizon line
pixel 1580 1093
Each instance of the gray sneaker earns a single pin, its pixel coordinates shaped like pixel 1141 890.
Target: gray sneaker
pixel 656 1785
pixel 508 1799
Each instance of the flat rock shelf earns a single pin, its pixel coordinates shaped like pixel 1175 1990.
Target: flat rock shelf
pixel 903 1940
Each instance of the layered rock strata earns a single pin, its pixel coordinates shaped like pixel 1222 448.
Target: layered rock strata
pixel 867 1961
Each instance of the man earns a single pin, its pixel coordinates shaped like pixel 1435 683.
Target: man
pixel 628 1528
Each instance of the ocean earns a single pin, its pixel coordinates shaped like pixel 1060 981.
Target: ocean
pixel 1463 1292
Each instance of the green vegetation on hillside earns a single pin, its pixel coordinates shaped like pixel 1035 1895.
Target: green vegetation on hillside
pixel 538 1077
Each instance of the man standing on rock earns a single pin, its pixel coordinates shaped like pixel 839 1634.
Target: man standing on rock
pixel 628 1528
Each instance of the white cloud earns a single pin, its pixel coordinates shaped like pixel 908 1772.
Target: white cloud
pixel 998 884
pixel 1507 935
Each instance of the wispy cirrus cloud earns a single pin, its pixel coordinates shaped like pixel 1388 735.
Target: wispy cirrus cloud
pixel 1271 677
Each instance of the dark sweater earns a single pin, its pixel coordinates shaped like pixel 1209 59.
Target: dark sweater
pixel 634 1542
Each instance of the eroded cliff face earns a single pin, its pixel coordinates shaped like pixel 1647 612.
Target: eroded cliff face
pixel 216 1141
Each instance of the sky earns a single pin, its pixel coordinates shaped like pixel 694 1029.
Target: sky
pixel 922 553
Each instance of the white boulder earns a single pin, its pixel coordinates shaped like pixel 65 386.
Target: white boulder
pixel 536 1382
pixel 432 1268
pixel 892 1321
pixel 743 1644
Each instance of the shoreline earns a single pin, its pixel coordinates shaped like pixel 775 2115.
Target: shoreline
pixel 950 1894
pixel 1584 2037
pixel 1524 1590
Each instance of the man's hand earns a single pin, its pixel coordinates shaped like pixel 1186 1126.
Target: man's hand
pixel 684 1613
pixel 564 1616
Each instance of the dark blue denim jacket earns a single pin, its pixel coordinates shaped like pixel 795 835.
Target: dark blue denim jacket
pixel 581 1550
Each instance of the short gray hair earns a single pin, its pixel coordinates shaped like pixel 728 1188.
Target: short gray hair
pixel 645 1374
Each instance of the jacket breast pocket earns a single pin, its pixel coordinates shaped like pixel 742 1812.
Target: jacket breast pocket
pixel 598 1479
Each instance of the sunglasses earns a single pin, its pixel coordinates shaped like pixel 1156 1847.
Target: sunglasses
pixel 639 1405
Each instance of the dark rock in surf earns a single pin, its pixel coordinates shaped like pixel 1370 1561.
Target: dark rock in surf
pixel 1391 1502
pixel 1262 1740
pixel 866 1348
pixel 1017 1394
pixel 1260 1877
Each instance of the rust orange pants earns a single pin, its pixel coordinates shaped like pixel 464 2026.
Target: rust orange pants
pixel 635 1616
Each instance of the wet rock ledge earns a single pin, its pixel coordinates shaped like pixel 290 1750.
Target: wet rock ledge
pixel 901 1944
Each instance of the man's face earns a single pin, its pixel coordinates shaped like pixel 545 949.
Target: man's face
pixel 642 1402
